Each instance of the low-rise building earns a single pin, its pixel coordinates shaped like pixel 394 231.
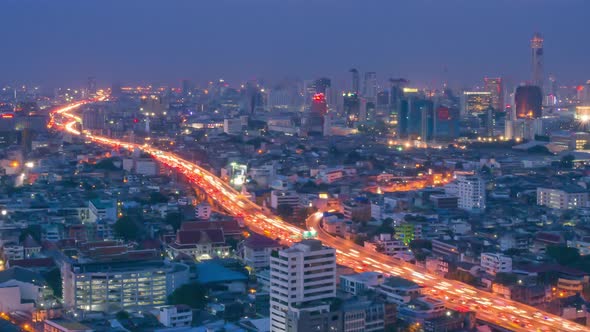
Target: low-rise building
pixel 357 283
pixel 494 263
pixel 256 249
pixel 562 198
pixel 175 315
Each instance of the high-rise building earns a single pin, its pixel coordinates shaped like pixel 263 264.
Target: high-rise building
pixel 446 123
pixel 537 59
pixel 471 191
pixel 370 87
pixel 355 88
pixel 187 88
pixel 528 102
pixel 303 279
pixel 91 85
pixel 496 88
pixel 475 103
pixel 351 108
pixel 416 118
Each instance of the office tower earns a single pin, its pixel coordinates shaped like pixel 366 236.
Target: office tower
pixel 302 277
pixel 471 190
pixel 537 59
pixel 475 103
pixel 187 88
pixel 416 118
pixel 351 108
pixel 489 122
pixel 496 88
pixel 397 90
pixel 446 123
pixel 383 98
pixel 355 81
pixel 91 85
pixel 528 101
pixel 322 84
pixel 370 87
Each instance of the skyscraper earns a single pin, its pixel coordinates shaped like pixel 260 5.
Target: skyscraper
pixel 496 88
pixel 370 87
pixel 475 103
pixel 301 277
pixel 355 81
pixel 528 100
pixel 91 85
pixel 537 59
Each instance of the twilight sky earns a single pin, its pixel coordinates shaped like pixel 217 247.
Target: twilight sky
pixel 55 42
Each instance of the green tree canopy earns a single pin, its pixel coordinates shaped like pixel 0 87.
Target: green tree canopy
pixel 563 255
pixel 127 228
pixel 193 295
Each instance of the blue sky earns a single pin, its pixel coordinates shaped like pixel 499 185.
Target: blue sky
pixel 56 42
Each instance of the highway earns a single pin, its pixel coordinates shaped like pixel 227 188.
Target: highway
pixel 488 307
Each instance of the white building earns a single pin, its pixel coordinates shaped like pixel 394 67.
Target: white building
pixel 263 175
pixel 284 197
pixel 175 315
pixel 385 244
pixel 471 190
pixel 102 209
pixel 356 283
pixel 232 126
pixel 203 211
pixel 495 263
pixel 563 198
pixel 256 249
pixel 120 285
pixel 143 166
pixel 301 277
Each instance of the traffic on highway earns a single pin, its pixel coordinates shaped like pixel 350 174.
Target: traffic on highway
pixel 456 295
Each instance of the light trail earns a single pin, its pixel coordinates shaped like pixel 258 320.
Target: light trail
pixel 489 307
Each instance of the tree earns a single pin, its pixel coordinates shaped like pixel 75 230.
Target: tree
pixel 563 255
pixel 193 295
pixel 174 219
pixel 284 210
pixel 420 244
pixel 53 279
pixel 127 228
pixel 506 278
pixel 567 161
pixel 157 197
pixel 122 315
pixel 33 230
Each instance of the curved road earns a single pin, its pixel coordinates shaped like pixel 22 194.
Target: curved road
pixel 488 307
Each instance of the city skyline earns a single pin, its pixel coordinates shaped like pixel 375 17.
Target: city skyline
pixel 162 42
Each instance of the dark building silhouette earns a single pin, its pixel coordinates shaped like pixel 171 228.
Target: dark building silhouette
pixel 528 101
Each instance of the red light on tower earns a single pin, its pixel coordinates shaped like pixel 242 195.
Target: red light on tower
pixel 7 116
pixel 580 88
pixel 136 120
pixel 319 97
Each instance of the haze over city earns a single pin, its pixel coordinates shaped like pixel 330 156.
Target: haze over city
pixel 60 42
pixel 294 166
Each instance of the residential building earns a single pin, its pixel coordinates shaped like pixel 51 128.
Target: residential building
pixel 175 315
pixel 256 249
pixel 471 191
pixel 384 243
pixel 356 283
pixel 398 290
pixel 203 211
pixel 494 263
pixel 63 325
pixel 303 277
pixel 102 209
pixel 563 198
pixel 284 197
